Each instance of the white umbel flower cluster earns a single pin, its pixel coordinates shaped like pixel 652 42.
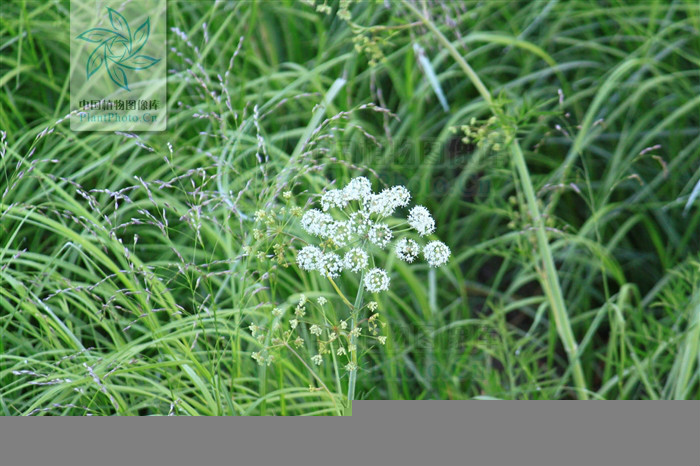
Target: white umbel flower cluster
pixel 341 232
pixel 363 227
pixel 333 198
pixel 317 223
pixel 385 203
pixel 356 260
pixel 310 258
pixel 357 189
pixel 380 234
pixel 377 280
pixel 332 265
pixel 420 220
pixel 360 222
pixel 436 253
pixel 407 249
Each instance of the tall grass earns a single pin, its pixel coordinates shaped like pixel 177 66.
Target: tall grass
pixel 130 268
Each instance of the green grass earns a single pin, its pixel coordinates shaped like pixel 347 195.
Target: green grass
pixel 575 271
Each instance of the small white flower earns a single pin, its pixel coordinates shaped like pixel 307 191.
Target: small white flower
pixel 325 226
pixel 317 223
pixel 321 301
pixel 356 259
pixel 333 198
pixel 360 222
pixel 293 323
pixel 309 220
pixel 343 324
pixel 357 189
pixel 356 332
pixel 315 330
pixel 351 367
pixel 380 204
pixel 399 196
pixel 259 215
pixel 331 265
pixel 376 280
pixel 277 312
pixel 436 253
pixel 420 219
pixel 262 358
pixel 258 357
pixel 300 310
pixel 384 203
pixel 407 249
pixel 310 258
pixel 341 351
pixel 382 340
pixel 317 359
pixel 380 234
pixel 341 233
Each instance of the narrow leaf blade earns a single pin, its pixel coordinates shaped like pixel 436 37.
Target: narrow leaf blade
pixel 691 199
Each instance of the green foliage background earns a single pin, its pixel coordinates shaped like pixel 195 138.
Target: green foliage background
pixel 139 302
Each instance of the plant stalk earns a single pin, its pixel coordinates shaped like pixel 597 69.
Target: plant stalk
pixel 353 341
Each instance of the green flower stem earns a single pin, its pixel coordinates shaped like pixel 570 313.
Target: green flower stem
pixel 433 315
pixel 353 341
pixel 340 293
pixel 354 310
pixel 549 279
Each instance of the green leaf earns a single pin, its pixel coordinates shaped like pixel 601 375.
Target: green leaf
pixel 118 76
pixel 432 77
pixel 119 23
pixel 98 35
pixel 139 62
pixel 95 61
pixel 141 36
pixel 691 199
